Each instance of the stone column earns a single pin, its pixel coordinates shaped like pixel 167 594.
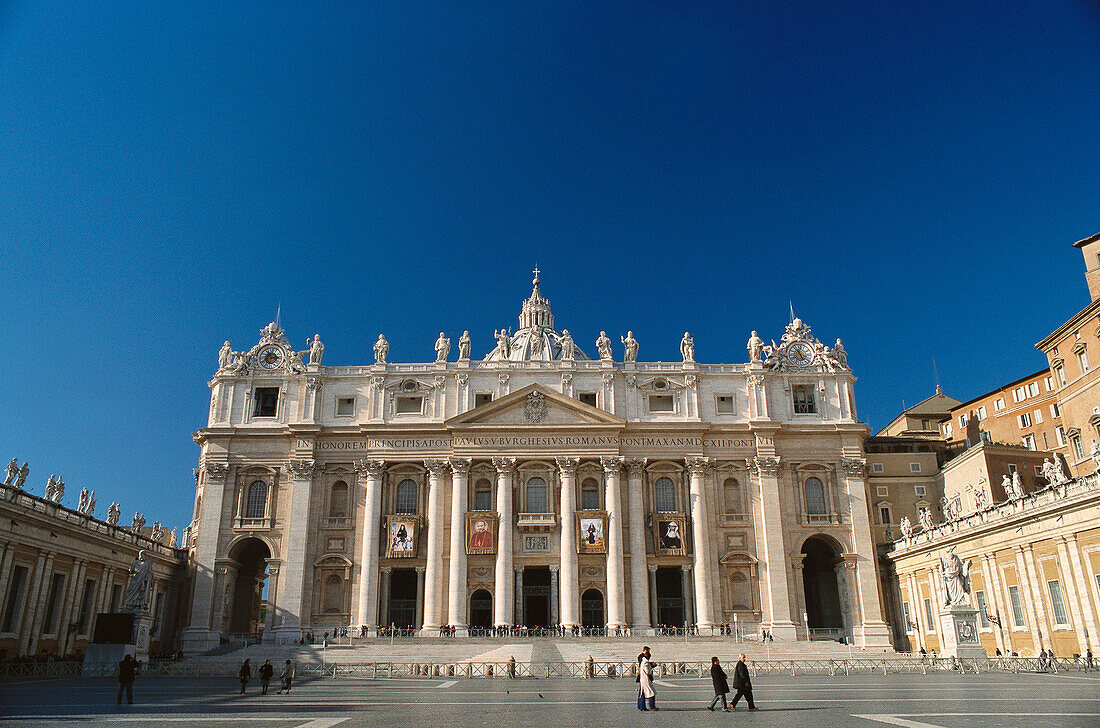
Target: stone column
pixel 65 636
pixel 371 473
pixel 616 602
pixel 776 587
pixel 570 586
pixel 844 570
pixel 1023 583
pixel 456 604
pixel 991 599
pixel 1077 572
pixel 686 588
pixel 521 617
pixel 916 605
pixel 799 584
pixel 293 589
pixel 385 595
pixel 36 604
pixel 272 595
pixel 502 593
pixel 432 597
pixel 1000 600
pixel 107 578
pixel 1037 586
pixel 639 587
pixel 202 633
pixel 1073 605
pixel 554 610
pixel 5 567
pixel 872 630
pixel 655 617
pixel 700 543
pixel 419 618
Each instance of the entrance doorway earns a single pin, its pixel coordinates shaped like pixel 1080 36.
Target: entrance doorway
pixel 481 609
pixel 251 555
pixel 820 582
pixel 536 596
pixel 402 598
pixel 592 608
pixel 670 596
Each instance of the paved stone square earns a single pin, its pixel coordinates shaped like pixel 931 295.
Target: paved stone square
pixel 917 701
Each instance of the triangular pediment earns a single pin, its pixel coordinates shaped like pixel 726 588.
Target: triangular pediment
pixel 536 406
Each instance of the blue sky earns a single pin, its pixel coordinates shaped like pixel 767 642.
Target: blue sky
pixel 912 178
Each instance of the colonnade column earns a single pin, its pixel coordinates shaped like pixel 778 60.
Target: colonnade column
pixel 1036 593
pixel 456 605
pixel 776 585
pixel 988 566
pixel 43 577
pixel 616 611
pixel 434 570
pixel 639 587
pixel 655 616
pixel 371 472
pixel 1075 613
pixel 1023 584
pixel 502 593
pixel 700 542
pixel 201 633
pixel 1068 546
pixel 570 596
pixel 1000 599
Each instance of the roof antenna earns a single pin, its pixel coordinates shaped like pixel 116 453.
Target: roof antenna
pixel 278 313
pixel 936 376
pixel 792 312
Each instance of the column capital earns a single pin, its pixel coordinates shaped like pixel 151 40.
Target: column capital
pixel 567 465
pixel 386 569
pixel 420 569
pixel 652 568
pixel 504 465
pixel 304 469
pixel 855 467
pixel 612 464
pixel 437 468
pixel 554 568
pixel 370 468
pixel 460 466
pixel 685 568
pixel 697 465
pixel 216 469
pixel 519 569
pixel 635 467
pixel 765 465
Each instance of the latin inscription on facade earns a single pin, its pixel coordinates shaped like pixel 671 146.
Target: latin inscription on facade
pixel 504 441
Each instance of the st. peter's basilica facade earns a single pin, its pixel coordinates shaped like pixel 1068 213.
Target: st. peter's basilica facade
pixel 537 486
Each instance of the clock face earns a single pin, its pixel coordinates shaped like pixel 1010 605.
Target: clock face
pixel 800 353
pixel 271 357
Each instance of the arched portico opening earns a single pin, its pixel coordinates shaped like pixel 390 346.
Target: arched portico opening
pixel 249 586
pixel 481 609
pixel 821 584
pixel 592 608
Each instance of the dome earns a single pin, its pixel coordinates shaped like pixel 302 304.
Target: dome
pixel 536 339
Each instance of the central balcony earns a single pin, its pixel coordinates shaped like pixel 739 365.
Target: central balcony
pixel 537 521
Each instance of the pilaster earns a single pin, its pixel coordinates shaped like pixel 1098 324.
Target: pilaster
pixel 639 589
pixel 700 541
pixel 293 590
pixel 456 606
pixel 616 611
pixel 502 593
pixel 433 576
pixel 370 472
pixel 202 633
pixel 570 586
pixel 872 630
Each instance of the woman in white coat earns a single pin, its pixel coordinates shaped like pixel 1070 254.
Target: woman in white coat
pixel 647 698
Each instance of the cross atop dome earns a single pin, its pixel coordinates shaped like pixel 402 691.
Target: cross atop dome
pixel 536 309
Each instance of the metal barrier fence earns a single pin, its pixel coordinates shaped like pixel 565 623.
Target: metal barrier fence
pixel 589 669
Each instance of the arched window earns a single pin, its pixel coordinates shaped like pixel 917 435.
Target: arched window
pixel 257 500
pixel 590 495
pixel 732 494
pixel 536 496
pixel 334 595
pixel 483 496
pixel 406 496
pixel 815 497
pixel 338 500
pixel 665 491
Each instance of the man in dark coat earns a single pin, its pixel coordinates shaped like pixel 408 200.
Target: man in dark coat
pixel 266 671
pixel 245 674
pixel 126 672
pixel 721 687
pixel 742 684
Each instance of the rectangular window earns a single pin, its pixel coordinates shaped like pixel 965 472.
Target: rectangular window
pixel 930 617
pixel 980 596
pixel 1061 436
pixel 1060 374
pixel 483 500
pixel 884 514
pixel 13 604
pixel 1012 468
pixel 1038 416
pixel 877 467
pixel 919 490
pixel 882 491
pixel 1056 602
pixel 1019 394
pixel 406 405
pixel 725 404
pixel 1054 411
pixel 661 403
pixel 999 404
pixel 963 420
pixel 589 398
pixel 1078 452
pixel 1049 382
pixel 345 406
pixel 53 598
pixel 914 467
pixel 908 617
pixel 1033 389
pixel 590 499
pixel 1083 361
pixel 482 398
pixel 265 401
pixel 1017 607
pixel 85 618
pixel 981 413
pixel 1023 420
pixel 947 429
pixel 804 402
pixel 1029 442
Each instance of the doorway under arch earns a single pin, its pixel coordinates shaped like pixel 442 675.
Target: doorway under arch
pixel 822 587
pixel 247 615
pixel 481 609
pixel 592 608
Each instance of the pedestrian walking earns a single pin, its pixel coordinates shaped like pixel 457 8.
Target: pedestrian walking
pixel 647 697
pixel 721 686
pixel 742 684
pixel 266 671
pixel 287 677
pixel 127 672
pixel 245 674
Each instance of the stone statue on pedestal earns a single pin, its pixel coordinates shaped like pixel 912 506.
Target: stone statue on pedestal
pixel 464 346
pixel 906 528
pixel 756 348
pixel 442 348
pixel 90 508
pixel 381 350
pixel 1095 454
pixel 840 355
pixel 504 343
pixel 21 477
pixel 687 348
pixel 113 512
pixel 51 487
pixel 225 356
pixel 82 501
pixel 956 579
pixel 316 349
pixel 172 538
pixel 138 522
pixel 136 598
pixel 1057 471
pixel 158 532
pixel 58 490
pixel 631 346
pixel 13 469
pixel 569 349
pixel 925 518
pixel 1017 484
pixel 603 345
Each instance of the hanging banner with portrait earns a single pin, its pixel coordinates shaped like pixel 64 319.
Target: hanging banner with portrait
pixel 481 532
pixel 591 532
pixel 670 534
pixel 401 532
